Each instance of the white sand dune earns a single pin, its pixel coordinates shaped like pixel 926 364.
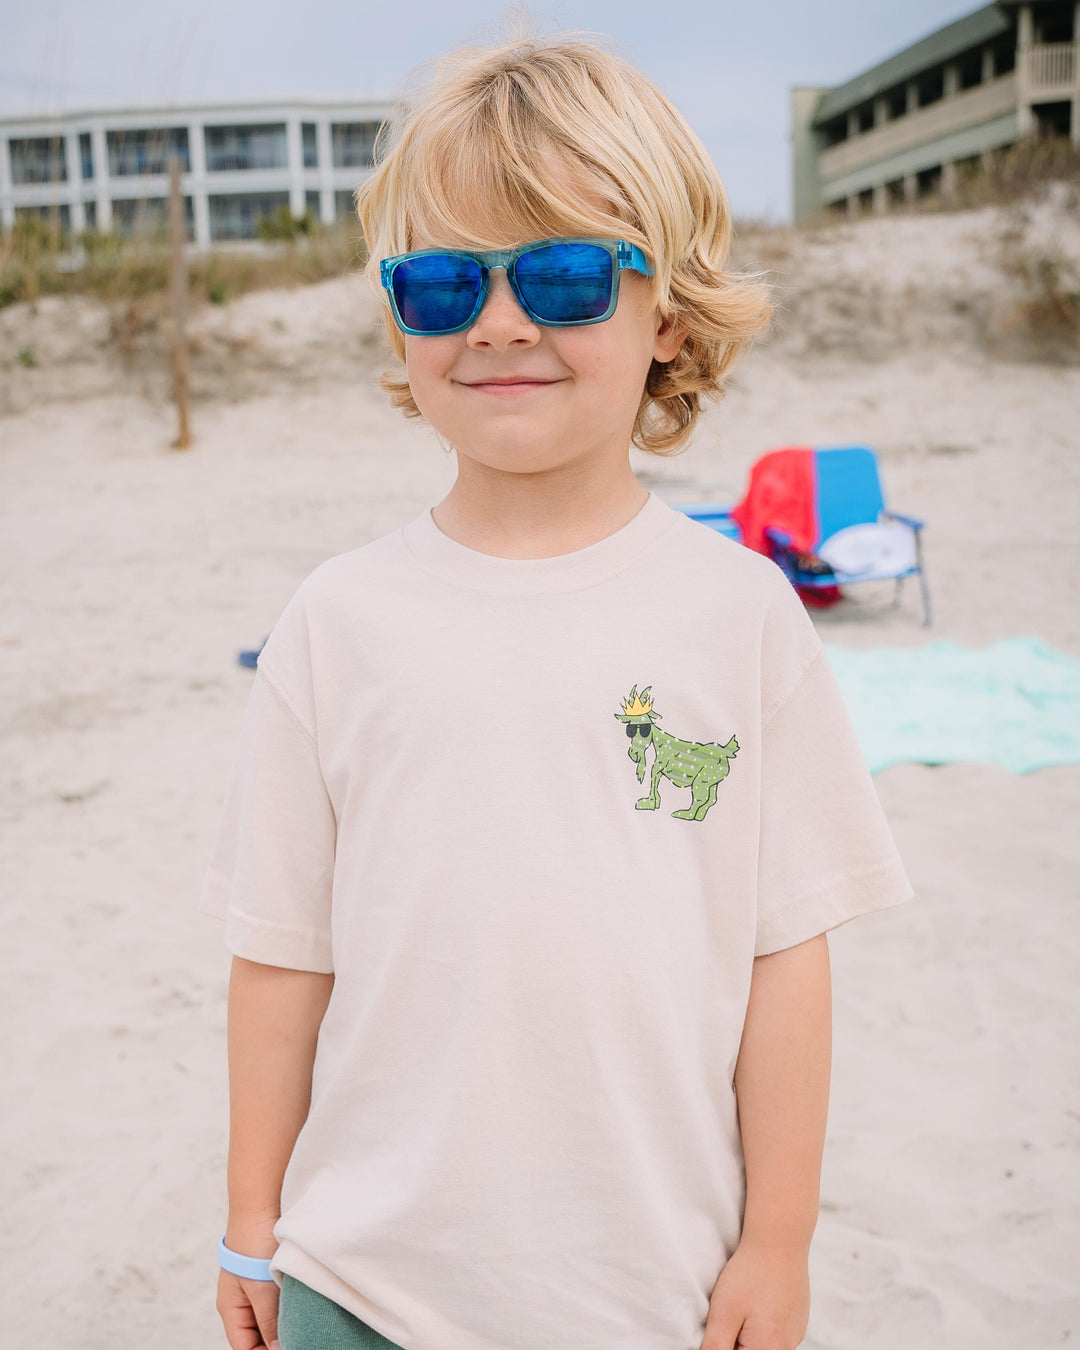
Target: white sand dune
pixel 132 575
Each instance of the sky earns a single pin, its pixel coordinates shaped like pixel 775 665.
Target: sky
pixel 727 66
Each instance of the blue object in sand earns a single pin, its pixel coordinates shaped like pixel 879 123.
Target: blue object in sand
pixel 251 658
pixel 1014 703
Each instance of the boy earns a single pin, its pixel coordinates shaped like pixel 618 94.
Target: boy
pixel 544 802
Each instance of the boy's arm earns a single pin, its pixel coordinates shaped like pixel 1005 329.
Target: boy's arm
pixel 782 1087
pixel 274 1019
pixel 762 1294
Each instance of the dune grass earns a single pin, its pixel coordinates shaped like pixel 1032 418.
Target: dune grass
pixel 37 259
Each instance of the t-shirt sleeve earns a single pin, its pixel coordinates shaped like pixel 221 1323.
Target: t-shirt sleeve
pixel 825 849
pixel 270 875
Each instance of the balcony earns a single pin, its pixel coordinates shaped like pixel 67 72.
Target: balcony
pixel 39 159
pixel 140 153
pixel 246 147
pixel 955 113
pixel 353 144
pixel 1049 69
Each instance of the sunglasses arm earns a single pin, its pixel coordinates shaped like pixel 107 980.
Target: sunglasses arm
pixel 630 257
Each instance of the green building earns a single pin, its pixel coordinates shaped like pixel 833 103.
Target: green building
pixel 906 127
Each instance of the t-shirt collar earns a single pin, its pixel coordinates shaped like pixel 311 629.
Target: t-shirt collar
pixel 460 565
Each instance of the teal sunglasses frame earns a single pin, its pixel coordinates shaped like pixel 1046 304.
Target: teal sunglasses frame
pixel 624 255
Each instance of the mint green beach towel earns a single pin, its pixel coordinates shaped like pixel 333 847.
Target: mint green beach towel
pixel 1015 703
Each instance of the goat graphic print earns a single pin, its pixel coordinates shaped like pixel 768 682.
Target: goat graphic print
pixel 701 767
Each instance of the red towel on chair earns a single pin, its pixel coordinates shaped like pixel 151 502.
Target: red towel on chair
pixel 781 494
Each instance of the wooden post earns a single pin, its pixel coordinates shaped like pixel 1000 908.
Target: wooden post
pixel 181 366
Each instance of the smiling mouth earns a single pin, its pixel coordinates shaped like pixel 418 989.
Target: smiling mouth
pixel 509 386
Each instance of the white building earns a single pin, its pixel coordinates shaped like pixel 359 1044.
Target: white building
pixel 906 127
pixel 97 170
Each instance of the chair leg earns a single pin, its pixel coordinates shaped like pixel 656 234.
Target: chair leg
pixel 925 599
pixel 896 592
pixel 922 579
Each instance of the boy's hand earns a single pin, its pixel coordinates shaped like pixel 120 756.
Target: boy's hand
pixel 761 1300
pixel 249 1311
pixel 249 1308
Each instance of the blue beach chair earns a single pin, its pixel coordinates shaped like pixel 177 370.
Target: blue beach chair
pixel 857 538
pixel 717 516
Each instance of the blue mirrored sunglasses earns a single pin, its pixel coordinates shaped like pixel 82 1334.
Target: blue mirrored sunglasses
pixel 559 283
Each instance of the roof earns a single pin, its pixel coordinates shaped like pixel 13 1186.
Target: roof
pixel 181 111
pixel 986 23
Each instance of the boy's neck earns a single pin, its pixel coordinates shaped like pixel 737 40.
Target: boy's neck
pixel 528 519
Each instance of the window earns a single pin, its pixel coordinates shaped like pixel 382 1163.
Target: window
pixel 1054 22
pixel 246 147
pixel 145 217
pixel 929 181
pixel 896 102
pixel 90 215
pixel 86 156
pixel 311 204
pixel 136 152
pixel 235 215
pixel 835 131
pixel 353 144
pixel 38 159
pixel 1004 52
pixel 310 140
pixel 1053 119
pixel 866 199
pixel 865 114
pixel 969 69
pixel 894 192
pixel 930 86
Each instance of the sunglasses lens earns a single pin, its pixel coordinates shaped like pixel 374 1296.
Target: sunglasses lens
pixel 436 292
pixel 565 283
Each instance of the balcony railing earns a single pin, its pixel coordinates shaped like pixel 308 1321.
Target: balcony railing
pixel 1050 65
pixel 353 144
pixel 969 108
pixel 136 153
pixel 41 159
pixel 246 147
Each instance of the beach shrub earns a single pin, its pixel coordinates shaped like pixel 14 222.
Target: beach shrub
pixel 1025 171
pixel 1046 315
pixel 281 224
pixel 115 268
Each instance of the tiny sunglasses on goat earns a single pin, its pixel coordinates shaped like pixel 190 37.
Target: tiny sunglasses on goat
pixel 560 283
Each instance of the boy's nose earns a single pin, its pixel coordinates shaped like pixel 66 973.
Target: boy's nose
pixel 502 320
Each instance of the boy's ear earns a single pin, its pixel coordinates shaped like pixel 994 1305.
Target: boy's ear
pixel 669 338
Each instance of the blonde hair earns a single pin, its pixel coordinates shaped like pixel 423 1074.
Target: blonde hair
pixel 468 165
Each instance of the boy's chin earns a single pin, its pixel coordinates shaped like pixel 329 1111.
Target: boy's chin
pixel 519 457
pixel 521 460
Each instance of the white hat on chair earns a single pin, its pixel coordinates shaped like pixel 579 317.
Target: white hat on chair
pixel 886 546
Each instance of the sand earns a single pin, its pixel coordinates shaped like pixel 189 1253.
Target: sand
pixel 132 574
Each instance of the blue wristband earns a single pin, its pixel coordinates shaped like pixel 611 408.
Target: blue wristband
pixel 247 1267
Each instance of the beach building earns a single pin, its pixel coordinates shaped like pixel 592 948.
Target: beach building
pixel 910 125
pixel 108 168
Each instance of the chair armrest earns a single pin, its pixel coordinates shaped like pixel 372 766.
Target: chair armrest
pixel 781 537
pixel 906 520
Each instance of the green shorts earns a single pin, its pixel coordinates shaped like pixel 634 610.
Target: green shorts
pixel 311 1321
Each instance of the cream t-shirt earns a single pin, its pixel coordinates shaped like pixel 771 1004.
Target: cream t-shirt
pixel 538 816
